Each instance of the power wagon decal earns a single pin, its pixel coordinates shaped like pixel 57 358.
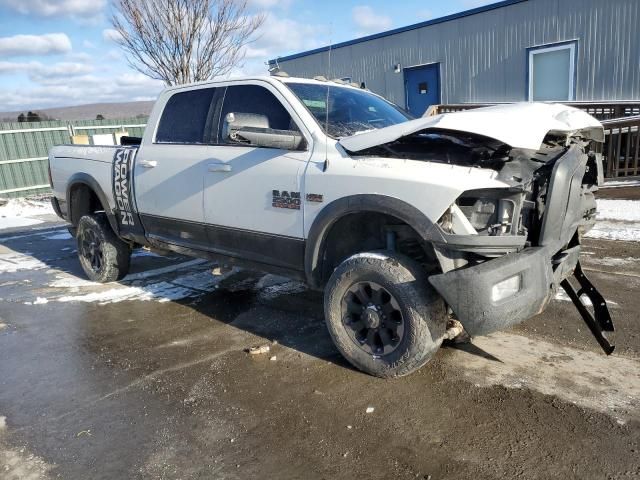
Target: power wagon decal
pixel 122 178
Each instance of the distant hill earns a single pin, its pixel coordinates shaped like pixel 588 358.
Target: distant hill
pixel 88 112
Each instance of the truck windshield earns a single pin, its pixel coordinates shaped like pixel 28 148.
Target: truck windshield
pixel 350 110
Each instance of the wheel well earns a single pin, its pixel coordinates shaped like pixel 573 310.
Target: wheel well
pixel 83 201
pixel 366 231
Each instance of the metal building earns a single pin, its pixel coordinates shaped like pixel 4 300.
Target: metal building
pixel 513 50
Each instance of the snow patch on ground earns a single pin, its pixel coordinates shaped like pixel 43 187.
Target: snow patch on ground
pixel 64 281
pixel 621 183
pixel 607 230
pixel 159 271
pixel 15 262
pixel 19 212
pixel 562 296
pixel 162 292
pixel 617 220
pixel 288 287
pixel 59 236
pixel 613 262
pixel 143 253
pixel 183 286
pixel 191 285
pixel 620 210
pixel 37 301
pixel 15 222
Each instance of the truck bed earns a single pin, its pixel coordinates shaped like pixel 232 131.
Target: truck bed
pixel 67 161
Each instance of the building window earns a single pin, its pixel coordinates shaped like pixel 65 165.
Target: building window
pixel 552 72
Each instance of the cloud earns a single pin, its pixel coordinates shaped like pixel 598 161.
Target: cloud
pixel 368 21
pixel 81 89
pixel 279 36
pixel 253 53
pixel 44 74
pixel 111 35
pixel 83 57
pixel 137 80
pixel 17 67
pixel 51 8
pixel 62 70
pixel 47 44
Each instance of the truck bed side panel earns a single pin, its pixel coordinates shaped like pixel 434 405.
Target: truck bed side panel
pixel 69 162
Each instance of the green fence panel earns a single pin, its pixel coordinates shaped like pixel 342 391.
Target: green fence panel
pixel 24 147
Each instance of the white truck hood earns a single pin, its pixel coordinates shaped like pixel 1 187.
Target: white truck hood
pixel 519 125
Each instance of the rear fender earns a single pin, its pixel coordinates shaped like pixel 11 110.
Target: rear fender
pixel 87 180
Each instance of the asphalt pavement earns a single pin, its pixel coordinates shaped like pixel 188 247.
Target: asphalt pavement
pixel 150 378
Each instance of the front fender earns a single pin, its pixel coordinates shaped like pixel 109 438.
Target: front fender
pixel 337 209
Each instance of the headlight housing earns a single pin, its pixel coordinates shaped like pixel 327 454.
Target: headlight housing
pixel 489 212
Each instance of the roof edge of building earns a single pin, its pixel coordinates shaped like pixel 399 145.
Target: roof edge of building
pixel 427 23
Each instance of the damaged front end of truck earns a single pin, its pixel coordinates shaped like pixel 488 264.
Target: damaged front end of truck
pixel 505 252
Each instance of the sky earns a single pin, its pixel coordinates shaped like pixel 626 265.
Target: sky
pixel 56 53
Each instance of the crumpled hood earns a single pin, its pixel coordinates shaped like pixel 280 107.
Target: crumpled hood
pixel 519 125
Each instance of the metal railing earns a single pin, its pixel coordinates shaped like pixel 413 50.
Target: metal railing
pixel 600 110
pixel 621 121
pixel 621 149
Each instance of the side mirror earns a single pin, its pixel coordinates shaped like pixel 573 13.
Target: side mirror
pixel 253 130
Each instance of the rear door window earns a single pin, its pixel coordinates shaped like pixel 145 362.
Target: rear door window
pixel 257 100
pixel 188 117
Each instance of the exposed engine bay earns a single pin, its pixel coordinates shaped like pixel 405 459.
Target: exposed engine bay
pixel 527 236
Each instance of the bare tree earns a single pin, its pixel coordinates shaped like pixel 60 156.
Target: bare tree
pixel 181 41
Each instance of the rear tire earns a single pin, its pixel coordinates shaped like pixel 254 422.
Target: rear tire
pixel 383 315
pixel 103 256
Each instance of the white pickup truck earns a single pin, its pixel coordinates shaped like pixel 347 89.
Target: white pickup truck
pixel 405 223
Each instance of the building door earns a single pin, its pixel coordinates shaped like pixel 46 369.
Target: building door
pixel 422 87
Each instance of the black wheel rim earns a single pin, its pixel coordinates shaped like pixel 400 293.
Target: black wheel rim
pixel 91 249
pixel 372 318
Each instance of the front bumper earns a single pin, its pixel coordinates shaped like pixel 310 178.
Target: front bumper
pixel 541 268
pixel 468 291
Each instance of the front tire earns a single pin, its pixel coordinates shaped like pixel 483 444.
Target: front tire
pixel 383 315
pixel 103 256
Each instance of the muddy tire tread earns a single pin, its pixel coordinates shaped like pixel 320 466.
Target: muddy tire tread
pixel 423 309
pixel 116 253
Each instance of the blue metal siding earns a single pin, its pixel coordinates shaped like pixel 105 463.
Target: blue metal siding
pixel 483 56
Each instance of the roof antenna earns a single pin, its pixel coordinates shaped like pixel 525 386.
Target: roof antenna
pixel 326 107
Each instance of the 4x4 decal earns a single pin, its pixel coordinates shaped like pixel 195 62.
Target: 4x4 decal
pixel 315 197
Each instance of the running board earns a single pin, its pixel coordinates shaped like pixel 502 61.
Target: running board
pixel 600 321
